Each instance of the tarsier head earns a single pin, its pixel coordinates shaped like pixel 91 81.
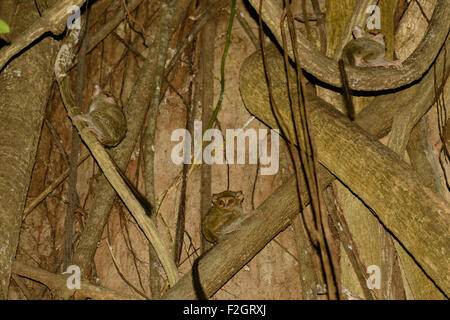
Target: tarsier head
pixel 104 95
pixel 358 33
pixel 227 199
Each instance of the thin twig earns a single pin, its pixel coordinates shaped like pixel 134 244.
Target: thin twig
pixel 121 274
pixel 33 204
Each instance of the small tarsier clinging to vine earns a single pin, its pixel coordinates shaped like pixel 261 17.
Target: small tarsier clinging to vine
pixel 105 119
pixel 225 215
pixel 366 50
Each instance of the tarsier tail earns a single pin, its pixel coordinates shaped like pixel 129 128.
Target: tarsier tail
pixel 346 91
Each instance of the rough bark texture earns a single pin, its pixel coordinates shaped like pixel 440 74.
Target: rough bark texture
pixel 421 155
pixel 24 87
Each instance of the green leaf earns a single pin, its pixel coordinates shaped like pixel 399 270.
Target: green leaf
pixel 4 28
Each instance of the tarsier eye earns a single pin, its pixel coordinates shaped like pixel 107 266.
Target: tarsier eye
pixel 221 203
pixel 230 202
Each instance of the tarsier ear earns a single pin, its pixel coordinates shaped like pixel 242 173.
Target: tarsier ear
pixel 240 196
pixel 357 32
pixel 97 90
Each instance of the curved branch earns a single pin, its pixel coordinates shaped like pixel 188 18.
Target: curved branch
pixel 373 79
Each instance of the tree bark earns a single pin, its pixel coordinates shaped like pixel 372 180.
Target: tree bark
pixel 413 213
pixel 24 88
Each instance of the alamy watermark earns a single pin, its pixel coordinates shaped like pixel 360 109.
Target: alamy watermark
pixel 374 20
pixel 374 279
pixel 215 153
pixel 74 280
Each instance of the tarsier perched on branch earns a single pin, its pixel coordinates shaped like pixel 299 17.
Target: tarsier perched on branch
pixel 225 215
pixel 366 50
pixel 105 119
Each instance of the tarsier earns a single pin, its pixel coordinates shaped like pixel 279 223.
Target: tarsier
pixel 105 119
pixel 366 50
pixel 225 215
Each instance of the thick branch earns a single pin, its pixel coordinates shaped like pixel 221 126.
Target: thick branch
pixel 24 91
